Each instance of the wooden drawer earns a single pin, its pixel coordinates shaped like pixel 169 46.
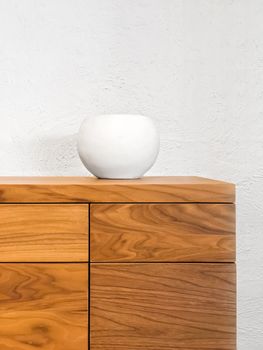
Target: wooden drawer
pixel 162 232
pixel 162 306
pixel 43 306
pixel 46 232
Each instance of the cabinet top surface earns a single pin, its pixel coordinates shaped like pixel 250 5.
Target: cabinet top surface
pixel 90 189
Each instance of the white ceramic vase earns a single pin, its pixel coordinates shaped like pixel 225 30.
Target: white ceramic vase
pixel 118 146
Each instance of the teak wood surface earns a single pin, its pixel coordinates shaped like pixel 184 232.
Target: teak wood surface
pixel 160 276
pixel 41 232
pixel 162 232
pixel 43 306
pixel 162 306
pixel 90 189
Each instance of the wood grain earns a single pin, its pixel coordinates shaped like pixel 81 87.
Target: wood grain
pixel 162 306
pixel 43 306
pixel 51 232
pixel 162 232
pixel 90 189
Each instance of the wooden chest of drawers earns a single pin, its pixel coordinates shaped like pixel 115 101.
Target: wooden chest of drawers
pixel 117 265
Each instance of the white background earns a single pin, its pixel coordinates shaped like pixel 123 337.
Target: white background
pixel 195 66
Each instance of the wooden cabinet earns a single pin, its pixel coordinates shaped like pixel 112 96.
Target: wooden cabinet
pixel 94 264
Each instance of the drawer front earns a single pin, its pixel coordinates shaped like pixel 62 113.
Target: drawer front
pixel 34 232
pixel 162 232
pixel 162 306
pixel 43 306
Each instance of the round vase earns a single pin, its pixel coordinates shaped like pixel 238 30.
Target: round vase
pixel 118 146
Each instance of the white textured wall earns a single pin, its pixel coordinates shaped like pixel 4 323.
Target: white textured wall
pixel 195 66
